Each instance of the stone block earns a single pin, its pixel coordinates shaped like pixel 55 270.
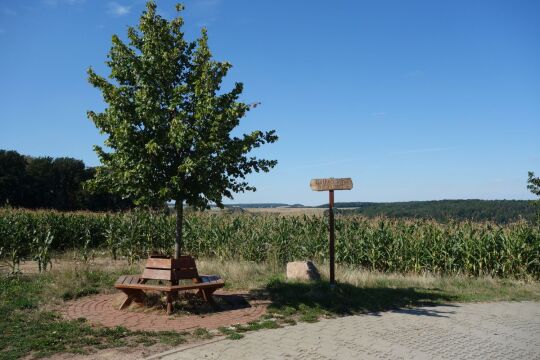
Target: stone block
pixel 302 270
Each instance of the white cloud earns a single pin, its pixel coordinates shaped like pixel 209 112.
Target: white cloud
pixel 205 11
pixel 117 9
pixel 378 113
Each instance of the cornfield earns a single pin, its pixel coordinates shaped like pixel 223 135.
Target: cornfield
pixel 389 245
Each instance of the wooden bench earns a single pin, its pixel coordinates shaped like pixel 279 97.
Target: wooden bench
pixel 173 271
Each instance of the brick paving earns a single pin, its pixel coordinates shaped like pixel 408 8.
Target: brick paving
pixel 103 310
pixel 505 330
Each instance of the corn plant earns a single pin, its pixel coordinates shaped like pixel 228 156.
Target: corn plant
pixel 41 246
pixel 86 240
pixel 391 245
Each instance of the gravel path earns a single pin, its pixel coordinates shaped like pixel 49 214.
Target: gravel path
pixel 503 330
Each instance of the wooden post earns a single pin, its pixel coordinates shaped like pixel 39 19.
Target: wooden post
pixel 330 185
pixel 332 236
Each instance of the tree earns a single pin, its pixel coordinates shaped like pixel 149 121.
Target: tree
pixel 12 177
pixel 102 199
pixel 54 183
pixel 41 184
pixel 168 123
pixel 533 184
pixel 68 176
pixel 46 182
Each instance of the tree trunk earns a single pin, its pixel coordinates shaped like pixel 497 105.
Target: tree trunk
pixel 179 220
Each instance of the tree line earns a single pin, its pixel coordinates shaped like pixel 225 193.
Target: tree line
pixel 51 183
pixel 499 211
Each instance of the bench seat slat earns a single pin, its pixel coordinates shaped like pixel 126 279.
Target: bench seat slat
pixel 127 279
pixel 172 270
pixel 169 288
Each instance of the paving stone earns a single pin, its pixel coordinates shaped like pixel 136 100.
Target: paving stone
pixel 101 310
pixel 503 330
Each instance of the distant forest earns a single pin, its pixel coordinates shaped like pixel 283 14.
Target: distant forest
pixel 57 183
pixel 500 211
pixel 51 183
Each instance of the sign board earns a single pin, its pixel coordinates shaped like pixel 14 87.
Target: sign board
pixel 331 184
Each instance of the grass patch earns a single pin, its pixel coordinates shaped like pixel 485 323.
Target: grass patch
pixel 289 321
pixel 360 291
pixel 257 325
pixel 240 275
pixel 172 338
pixel 309 301
pixel 29 329
pixel 202 333
pixel 81 279
pixel 231 334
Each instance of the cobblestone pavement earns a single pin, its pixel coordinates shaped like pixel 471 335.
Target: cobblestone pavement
pixel 504 330
pixel 103 310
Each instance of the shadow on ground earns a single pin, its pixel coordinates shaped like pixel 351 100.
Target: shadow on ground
pixel 318 298
pixel 191 304
pixel 310 300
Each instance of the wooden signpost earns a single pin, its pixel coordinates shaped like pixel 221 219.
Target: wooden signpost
pixel 330 185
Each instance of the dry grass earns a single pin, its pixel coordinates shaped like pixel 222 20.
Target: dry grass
pixel 248 275
pixel 241 275
pixel 28 301
pixel 72 278
pixel 461 287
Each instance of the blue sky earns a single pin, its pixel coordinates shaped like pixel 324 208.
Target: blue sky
pixel 415 100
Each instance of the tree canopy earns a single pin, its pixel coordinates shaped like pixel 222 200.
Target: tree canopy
pixel 168 122
pixel 533 184
pixel 168 125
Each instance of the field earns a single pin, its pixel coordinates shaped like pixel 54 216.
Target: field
pixel 380 244
pixel 49 257
pixel 288 211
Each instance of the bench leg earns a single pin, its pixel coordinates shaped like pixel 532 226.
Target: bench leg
pixel 206 294
pixel 133 295
pixel 175 292
pixel 170 296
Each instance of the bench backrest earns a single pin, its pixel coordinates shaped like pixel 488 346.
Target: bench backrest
pixel 170 269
